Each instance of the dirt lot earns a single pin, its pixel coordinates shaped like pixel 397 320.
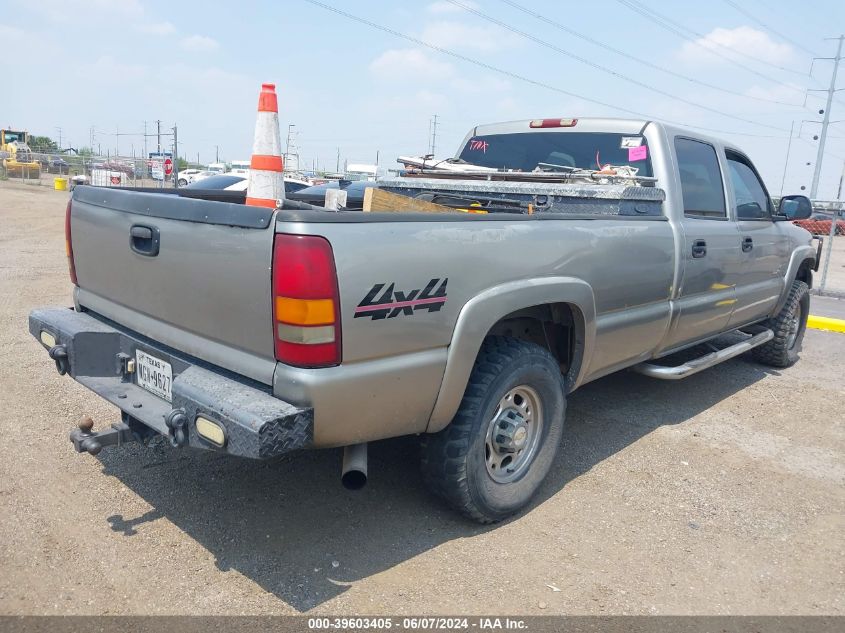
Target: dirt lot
pixel 719 494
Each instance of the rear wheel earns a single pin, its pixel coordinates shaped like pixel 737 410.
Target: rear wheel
pixel 495 453
pixel 182 182
pixel 789 327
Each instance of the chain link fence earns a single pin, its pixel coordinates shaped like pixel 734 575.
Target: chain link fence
pixel 101 170
pixel 828 223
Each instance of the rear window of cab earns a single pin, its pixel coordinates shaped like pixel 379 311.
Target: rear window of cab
pixel 530 151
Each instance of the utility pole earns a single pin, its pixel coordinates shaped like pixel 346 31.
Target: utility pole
pixel 158 136
pixel 60 138
pixel 433 135
pixel 175 159
pixel 287 141
pixel 216 153
pixel 117 140
pixel 146 156
pixel 826 121
pixel 841 182
pixel 786 164
pixel 337 166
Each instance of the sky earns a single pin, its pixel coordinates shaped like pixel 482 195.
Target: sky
pixel 739 68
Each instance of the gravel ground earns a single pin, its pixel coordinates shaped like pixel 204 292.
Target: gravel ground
pixel 720 494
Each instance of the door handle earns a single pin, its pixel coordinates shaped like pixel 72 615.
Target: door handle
pixel 144 240
pixel 747 244
pixel 699 248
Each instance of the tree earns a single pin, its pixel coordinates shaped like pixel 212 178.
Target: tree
pixel 42 144
pixel 181 164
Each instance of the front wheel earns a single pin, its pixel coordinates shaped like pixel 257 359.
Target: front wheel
pixel 493 456
pixel 789 326
pixel 182 182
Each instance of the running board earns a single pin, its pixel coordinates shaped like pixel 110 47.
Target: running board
pixel 704 362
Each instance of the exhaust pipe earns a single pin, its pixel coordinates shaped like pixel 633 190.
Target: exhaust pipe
pixel 354 473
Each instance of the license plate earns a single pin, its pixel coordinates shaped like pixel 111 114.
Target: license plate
pixel 154 375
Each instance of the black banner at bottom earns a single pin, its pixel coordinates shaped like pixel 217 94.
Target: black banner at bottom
pixel 528 624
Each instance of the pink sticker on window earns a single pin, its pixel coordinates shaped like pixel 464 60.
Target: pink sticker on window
pixel 637 153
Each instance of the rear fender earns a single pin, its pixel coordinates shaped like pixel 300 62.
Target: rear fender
pixel 484 310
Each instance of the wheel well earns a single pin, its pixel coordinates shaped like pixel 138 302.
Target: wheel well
pixel 805 272
pixel 559 327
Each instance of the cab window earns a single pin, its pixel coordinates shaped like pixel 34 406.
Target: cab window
pixel 750 197
pixel 701 180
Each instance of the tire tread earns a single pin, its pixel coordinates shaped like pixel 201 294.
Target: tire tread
pixel 444 466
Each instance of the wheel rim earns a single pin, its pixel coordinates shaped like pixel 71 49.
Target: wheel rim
pixel 794 325
pixel 513 434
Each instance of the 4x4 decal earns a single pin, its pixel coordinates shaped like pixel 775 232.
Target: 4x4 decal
pixel 387 303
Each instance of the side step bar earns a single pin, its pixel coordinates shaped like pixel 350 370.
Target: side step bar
pixel 704 362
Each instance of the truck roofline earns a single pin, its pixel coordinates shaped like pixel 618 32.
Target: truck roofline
pixel 596 124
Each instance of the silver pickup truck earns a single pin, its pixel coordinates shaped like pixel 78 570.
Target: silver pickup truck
pixel 254 331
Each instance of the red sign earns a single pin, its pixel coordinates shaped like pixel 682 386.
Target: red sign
pixel 168 166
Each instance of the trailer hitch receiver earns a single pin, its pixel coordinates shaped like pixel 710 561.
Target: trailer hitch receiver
pixel 86 440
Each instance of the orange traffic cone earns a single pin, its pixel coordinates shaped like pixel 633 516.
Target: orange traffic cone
pixel 266 184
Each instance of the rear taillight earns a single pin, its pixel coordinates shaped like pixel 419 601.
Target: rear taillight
pixel 69 246
pixel 306 304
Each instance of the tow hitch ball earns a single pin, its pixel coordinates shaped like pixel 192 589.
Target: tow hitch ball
pixel 86 440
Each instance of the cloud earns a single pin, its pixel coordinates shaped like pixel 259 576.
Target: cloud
pixel 157 28
pixel 441 6
pixel 62 10
pixel 743 40
pixel 12 34
pixel 199 44
pixel 450 34
pixel 409 63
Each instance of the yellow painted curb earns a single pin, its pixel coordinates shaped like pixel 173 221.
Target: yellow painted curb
pixel 826 323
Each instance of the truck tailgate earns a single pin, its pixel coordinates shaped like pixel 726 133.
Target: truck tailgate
pixel 193 274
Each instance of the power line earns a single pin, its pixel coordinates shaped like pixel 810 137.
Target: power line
pixel 678 29
pixel 518 77
pixel 639 60
pixel 753 17
pixel 804 15
pixel 609 71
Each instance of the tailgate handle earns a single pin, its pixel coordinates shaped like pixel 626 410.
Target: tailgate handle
pixel 144 240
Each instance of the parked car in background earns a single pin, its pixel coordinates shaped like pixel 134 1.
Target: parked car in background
pixel 819 224
pixel 54 164
pixel 220 182
pixel 123 167
pixel 186 176
pixel 231 181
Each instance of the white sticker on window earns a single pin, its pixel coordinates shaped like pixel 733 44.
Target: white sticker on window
pixel 631 141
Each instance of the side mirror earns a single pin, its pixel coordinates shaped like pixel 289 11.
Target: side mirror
pixel 795 207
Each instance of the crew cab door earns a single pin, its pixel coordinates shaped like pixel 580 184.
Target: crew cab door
pixel 764 247
pixel 710 250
